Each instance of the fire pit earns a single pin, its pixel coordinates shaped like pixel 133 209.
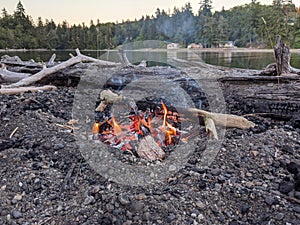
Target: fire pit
pixel 148 127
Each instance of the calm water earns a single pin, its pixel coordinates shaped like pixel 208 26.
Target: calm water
pixel 228 58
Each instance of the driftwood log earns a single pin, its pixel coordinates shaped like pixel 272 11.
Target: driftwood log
pixel 7 76
pixel 13 91
pixel 47 71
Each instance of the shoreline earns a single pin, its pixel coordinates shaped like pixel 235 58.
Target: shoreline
pixel 154 50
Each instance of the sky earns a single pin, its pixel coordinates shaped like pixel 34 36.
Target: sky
pixel 78 11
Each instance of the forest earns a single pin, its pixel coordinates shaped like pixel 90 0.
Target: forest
pixel 249 25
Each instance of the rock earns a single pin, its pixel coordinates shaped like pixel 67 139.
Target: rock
pixel 141 196
pixel 201 217
pixel 58 146
pixel 16 214
pixel 200 205
pixel 194 215
pixel 297 209
pixel 245 209
pixel 287 149
pixel 279 216
pixel 170 217
pixel 137 206
pixel 286 187
pixel 123 199
pixel 233 222
pixel 147 216
pixel 202 184
pixel 89 200
pixel 269 200
pixel 215 172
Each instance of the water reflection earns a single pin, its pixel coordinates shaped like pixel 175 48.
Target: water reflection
pixel 228 58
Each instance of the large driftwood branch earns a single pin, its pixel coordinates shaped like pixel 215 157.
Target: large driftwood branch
pixel 47 71
pixel 18 90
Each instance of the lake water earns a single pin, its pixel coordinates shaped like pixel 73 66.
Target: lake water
pixel 238 58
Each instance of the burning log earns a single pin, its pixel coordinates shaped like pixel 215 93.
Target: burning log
pixel 148 149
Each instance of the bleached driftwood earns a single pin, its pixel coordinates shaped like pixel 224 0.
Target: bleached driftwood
pixel 47 71
pixel 51 60
pixel 225 120
pixel 18 90
pixel 16 61
pixel 9 76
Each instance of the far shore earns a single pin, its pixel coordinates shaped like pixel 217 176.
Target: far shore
pixel 152 49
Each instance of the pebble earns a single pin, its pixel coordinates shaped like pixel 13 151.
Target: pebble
pixel 137 206
pixel 89 200
pixel 58 146
pixel 147 216
pixel 170 217
pixel 202 184
pixel 200 205
pixel 201 217
pixel 172 168
pixel 286 187
pixel 279 216
pixel 123 199
pixel 234 222
pixel 245 209
pixel 215 172
pixel 269 200
pixel 297 209
pixel 16 214
pixel 287 149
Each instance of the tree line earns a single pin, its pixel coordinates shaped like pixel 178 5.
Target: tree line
pixel 250 25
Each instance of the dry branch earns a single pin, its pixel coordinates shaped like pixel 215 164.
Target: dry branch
pixel 18 90
pixel 47 71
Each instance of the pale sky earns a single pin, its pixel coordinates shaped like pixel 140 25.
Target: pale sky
pixel 78 11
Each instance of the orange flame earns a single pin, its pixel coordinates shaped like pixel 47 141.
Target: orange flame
pixel 96 128
pixel 116 127
pixel 166 127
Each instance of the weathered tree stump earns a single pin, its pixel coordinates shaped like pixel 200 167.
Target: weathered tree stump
pixel 282 56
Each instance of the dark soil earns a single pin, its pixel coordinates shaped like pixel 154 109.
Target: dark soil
pixel 255 179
